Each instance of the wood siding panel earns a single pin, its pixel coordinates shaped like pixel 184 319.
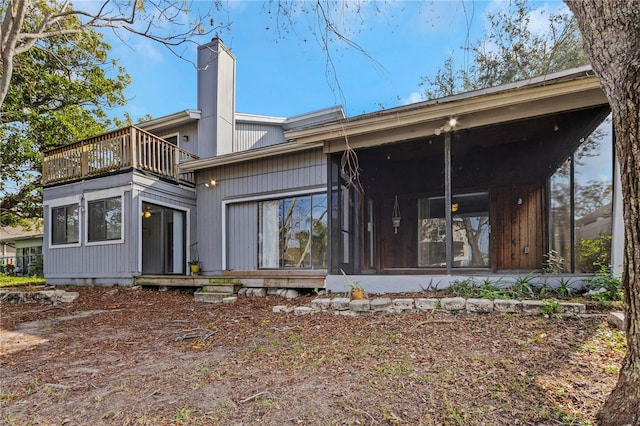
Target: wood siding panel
pixel 519 227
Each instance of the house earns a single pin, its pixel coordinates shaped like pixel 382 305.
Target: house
pixel 486 183
pixel 21 249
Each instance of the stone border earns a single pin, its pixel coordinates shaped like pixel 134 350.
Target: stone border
pixel 41 296
pixel 346 306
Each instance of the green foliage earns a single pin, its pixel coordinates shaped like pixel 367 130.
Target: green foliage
pixel 522 288
pixel 592 254
pixel 550 307
pixel 610 285
pixel 57 95
pixel 9 281
pixel 511 50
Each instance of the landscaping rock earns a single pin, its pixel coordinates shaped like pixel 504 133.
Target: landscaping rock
pixel 572 308
pixel 242 291
pixel 321 304
pixel 380 304
pixel 479 305
pixel 403 305
pixel 229 299
pixel 279 308
pixel 507 306
pixel 359 305
pixel 291 293
pixel 429 304
pixel 302 310
pixel 617 320
pixel 340 303
pixel 259 292
pixel 453 303
pixel 532 307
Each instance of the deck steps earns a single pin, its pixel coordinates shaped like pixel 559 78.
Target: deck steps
pixel 213 297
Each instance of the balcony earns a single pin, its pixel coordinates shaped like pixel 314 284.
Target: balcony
pixel 114 151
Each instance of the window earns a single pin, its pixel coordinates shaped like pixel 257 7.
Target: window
pixel 65 225
pixel 293 232
pixel 580 200
pixel 470 217
pixel 105 219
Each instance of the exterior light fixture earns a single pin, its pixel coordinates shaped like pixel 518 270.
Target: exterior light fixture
pixel 211 183
pixel 447 126
pixel 185 138
pixel 395 216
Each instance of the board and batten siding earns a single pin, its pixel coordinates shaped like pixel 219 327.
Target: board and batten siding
pixel 256 135
pixel 239 189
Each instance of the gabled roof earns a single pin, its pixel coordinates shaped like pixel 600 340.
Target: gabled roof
pixel 16 233
pixel 564 91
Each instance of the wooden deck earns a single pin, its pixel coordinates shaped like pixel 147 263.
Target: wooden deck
pixel 239 279
pixel 114 151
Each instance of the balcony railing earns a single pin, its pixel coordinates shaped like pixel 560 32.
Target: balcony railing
pixel 117 150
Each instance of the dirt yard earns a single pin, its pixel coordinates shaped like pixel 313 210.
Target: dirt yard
pixel 120 356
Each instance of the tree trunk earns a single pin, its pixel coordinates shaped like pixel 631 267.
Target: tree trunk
pixel 611 33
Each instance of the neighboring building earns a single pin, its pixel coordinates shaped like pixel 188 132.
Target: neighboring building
pixel 21 249
pixel 273 202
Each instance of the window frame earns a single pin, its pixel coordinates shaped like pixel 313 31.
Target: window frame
pixel 104 240
pixel 281 201
pixel 65 203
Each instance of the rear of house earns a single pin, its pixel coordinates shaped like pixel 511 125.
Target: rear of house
pixel 499 182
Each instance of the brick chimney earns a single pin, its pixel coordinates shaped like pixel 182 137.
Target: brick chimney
pixel 216 99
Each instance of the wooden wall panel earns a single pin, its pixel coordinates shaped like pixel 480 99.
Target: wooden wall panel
pixel 517 228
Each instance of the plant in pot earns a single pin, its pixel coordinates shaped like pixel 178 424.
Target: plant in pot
pixel 194 263
pixel 355 289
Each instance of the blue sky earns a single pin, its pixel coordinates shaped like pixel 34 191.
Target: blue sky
pixel 282 74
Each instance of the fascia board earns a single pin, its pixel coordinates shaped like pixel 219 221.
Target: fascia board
pixel 438 113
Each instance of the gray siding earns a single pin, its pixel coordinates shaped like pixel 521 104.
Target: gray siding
pixel 242 232
pixel 190 130
pixel 268 177
pixel 256 135
pixel 112 263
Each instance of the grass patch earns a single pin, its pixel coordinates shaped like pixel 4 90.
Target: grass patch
pixel 10 281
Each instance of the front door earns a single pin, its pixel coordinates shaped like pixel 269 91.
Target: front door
pixel 163 240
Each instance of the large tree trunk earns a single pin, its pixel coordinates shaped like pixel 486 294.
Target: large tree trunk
pixel 611 33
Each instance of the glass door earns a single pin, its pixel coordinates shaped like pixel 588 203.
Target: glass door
pixel 163 240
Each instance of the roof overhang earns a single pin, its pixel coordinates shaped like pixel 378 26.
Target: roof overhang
pixel 254 154
pixel 172 120
pixel 492 106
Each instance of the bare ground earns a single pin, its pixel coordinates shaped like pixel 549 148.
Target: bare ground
pixel 122 356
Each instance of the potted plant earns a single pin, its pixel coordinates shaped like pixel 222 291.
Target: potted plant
pixel 355 288
pixel 194 263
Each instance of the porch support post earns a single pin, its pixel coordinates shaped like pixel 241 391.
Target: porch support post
pixel 447 202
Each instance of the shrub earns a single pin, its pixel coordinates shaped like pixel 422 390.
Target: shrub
pixel 605 286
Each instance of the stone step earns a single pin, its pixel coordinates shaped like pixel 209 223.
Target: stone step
pixel 229 288
pixel 212 297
